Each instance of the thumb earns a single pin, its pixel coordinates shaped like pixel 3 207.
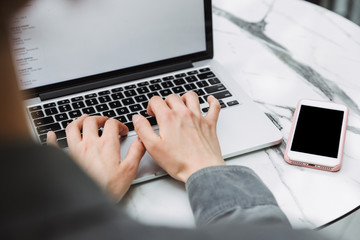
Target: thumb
pixel 145 131
pixel 51 139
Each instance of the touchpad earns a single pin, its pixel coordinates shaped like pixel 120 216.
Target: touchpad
pixel 147 165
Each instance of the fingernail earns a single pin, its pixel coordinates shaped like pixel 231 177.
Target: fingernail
pixel 135 118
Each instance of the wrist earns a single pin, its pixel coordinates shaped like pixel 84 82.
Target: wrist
pixel 184 176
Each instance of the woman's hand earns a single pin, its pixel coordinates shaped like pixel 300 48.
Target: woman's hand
pixel 100 156
pixel 187 141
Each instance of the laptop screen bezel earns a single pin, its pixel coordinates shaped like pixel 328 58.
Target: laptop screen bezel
pixel 197 56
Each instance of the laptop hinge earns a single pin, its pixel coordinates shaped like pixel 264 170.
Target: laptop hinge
pixel 114 80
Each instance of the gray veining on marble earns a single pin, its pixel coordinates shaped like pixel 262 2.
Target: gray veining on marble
pixel 257 29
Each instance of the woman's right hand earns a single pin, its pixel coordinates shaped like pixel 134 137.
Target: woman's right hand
pixel 187 141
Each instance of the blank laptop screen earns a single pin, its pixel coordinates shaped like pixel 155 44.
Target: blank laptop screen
pixel 60 40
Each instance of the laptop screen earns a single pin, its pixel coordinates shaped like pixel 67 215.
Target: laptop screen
pixel 56 41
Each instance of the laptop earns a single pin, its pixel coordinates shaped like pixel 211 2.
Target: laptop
pixel 110 57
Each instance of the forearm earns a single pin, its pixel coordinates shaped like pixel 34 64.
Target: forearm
pixel 12 120
pixel 226 194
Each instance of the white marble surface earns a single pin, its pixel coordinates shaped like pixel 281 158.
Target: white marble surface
pixel 279 52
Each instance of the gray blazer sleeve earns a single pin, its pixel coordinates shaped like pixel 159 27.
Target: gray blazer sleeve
pixel 232 193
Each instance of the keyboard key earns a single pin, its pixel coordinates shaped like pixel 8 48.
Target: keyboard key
pixel 89 110
pixel 201 101
pixel 92 95
pixel 214 81
pixel 122 111
pixel 165 93
pixel 179 81
pixel 152 121
pixel 143 90
pixel 127 101
pixel 62 143
pixel 43 121
pixel 205 110
pixel 204 70
pixel 119 89
pixel 192 73
pixel 51 111
pixel 191 79
pixel 206 75
pixel 61 117
pixel 168 78
pixel 50 127
pixel 62 102
pixel 76 99
pixel 221 95
pixel 145 104
pixel 75 114
pixel 109 114
pixel 60 134
pixel 216 88
pixel 130 126
pixel 202 84
pixel 167 84
pixel 135 108
pixel 77 105
pixel 179 89
pixel 43 138
pixel 117 96
pixel 35 108
pixel 91 102
pixel 130 93
pixel 121 119
pixel 130 87
pixel 232 103
pixel 144 113
pixel 141 98
pixel 102 107
pixel 180 75
pixel 64 124
pixel 190 87
pixel 150 95
pixel 155 87
pixel 37 114
pixel 199 92
pixel 65 108
pixel 129 116
pixel 155 81
pixel 104 93
pixel 142 84
pixel 104 99
pixel 49 105
pixel 115 104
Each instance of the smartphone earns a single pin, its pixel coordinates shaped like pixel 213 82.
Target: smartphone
pixel 317 135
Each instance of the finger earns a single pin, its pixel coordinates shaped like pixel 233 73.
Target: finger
pixel 130 163
pixel 73 130
pixel 113 128
pixel 91 126
pixel 51 139
pixel 191 100
pixel 157 106
pixel 214 109
pixel 145 131
pixel 128 169
pixel 174 102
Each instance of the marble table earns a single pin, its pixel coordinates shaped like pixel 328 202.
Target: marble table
pixel 279 51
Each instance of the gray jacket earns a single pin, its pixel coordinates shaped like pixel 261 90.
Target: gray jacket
pixel 45 195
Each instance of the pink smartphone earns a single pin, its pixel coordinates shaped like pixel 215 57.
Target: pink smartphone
pixel 317 135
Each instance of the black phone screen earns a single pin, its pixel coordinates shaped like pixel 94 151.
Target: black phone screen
pixel 318 131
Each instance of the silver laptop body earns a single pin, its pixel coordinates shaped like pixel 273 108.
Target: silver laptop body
pixel 107 57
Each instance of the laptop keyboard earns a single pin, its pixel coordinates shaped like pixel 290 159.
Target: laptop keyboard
pixel 123 102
